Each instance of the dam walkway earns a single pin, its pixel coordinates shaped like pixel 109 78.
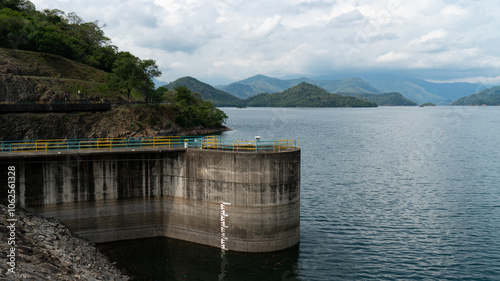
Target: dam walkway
pixel 58 146
pixel 117 189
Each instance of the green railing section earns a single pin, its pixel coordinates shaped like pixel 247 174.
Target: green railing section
pixel 169 142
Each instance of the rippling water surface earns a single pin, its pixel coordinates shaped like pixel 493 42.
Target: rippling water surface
pixel 389 193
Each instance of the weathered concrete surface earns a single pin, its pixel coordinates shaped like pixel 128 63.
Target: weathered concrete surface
pixel 109 196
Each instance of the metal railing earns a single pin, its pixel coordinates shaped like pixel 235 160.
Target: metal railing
pixel 211 142
pixel 169 142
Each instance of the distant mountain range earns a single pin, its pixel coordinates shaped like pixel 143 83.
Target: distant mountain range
pixel 423 91
pixel 409 91
pixel 300 95
pixel 262 84
pixel 490 96
pixel 417 90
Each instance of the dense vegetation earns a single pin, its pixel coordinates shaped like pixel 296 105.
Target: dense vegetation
pixel 306 95
pixel 387 99
pixel 490 96
pixel 191 110
pixel 52 31
pixel 22 27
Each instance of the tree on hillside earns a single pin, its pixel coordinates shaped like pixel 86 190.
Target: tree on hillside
pixel 126 73
pixel 184 96
pixel 159 95
pixel 149 71
pixel 17 5
pixel 129 73
pixel 52 31
pixel 198 111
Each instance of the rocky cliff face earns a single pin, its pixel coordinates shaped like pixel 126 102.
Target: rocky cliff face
pixel 17 88
pixel 124 121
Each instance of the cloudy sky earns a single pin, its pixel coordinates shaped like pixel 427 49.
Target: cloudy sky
pixel 220 42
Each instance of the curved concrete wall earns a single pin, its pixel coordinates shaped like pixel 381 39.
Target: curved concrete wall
pixel 109 196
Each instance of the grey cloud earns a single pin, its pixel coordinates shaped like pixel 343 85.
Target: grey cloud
pixel 353 16
pixel 181 40
pixel 385 36
pixel 201 38
pixel 311 5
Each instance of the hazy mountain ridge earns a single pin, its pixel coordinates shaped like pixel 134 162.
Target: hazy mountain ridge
pixel 418 90
pixel 262 84
pixel 489 96
pixel 311 95
pixel 423 91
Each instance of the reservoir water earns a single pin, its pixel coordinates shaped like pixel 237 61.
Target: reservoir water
pixel 388 193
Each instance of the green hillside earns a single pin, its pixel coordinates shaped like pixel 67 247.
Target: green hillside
pixel 209 93
pixel 490 96
pixel 32 76
pixel 386 99
pixel 306 95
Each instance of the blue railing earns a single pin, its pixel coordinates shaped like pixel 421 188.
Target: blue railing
pixel 169 142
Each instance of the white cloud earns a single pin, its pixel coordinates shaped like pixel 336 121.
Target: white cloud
pixel 435 34
pixel 266 28
pixel 221 41
pixel 393 57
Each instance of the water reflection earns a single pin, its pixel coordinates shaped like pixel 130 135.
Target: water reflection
pixel 141 259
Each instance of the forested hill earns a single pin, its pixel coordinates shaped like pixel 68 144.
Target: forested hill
pixel 306 95
pixel 53 32
pixel 490 96
pixel 22 27
pixel 207 92
pixel 386 99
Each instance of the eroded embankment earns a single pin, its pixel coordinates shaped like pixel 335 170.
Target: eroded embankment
pixel 124 121
pixel 45 250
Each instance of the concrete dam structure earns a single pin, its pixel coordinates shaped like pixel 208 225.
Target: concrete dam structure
pixel 129 193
